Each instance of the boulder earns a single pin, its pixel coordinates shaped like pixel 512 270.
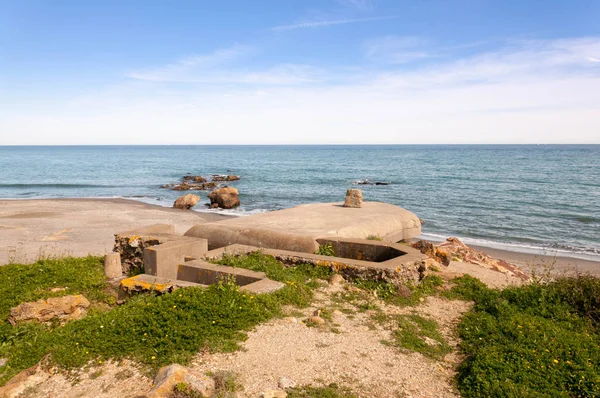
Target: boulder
pixel 186 202
pixel 169 376
pixel 225 198
pixel 218 177
pixel 194 178
pixel 454 249
pixel 64 309
pixel 353 198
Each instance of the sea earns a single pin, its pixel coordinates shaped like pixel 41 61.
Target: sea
pixel 527 198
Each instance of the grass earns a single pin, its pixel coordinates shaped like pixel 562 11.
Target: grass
pixel 419 334
pixel 152 330
pixel 537 340
pixel 326 249
pixel 329 391
pixel 398 295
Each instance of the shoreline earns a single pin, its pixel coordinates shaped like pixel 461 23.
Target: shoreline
pixel 39 221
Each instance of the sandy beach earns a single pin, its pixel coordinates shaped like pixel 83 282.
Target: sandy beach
pixel 30 229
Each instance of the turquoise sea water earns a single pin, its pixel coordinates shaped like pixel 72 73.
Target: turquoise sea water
pixel 521 197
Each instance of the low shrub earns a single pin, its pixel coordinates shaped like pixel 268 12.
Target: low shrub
pixel 535 340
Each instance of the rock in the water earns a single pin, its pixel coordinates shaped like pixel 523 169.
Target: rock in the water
pixel 225 198
pixel 64 309
pixel 186 202
pixel 218 177
pixel 353 198
pixel 194 178
pixel 169 376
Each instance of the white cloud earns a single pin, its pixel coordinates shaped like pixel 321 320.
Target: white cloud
pixel 528 92
pixel 184 67
pixel 326 23
pixel 219 68
pixel 397 49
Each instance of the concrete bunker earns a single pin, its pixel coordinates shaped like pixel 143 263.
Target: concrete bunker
pixel 169 261
pixel 365 250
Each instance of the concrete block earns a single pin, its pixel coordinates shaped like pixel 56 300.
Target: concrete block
pixel 112 265
pixel 162 260
pixel 199 271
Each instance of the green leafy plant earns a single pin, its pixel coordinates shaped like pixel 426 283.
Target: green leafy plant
pixel 534 340
pixel 326 249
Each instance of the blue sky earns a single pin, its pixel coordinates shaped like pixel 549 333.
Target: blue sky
pixel 330 71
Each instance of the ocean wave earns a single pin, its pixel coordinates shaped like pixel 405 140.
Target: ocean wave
pixel 554 249
pixel 35 185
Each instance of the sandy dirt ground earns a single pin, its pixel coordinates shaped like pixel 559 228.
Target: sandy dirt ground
pixel 32 229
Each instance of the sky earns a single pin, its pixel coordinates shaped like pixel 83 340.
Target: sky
pixel 299 72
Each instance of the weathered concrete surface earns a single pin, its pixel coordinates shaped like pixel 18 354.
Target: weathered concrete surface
pixel 30 229
pixel 162 260
pixel 408 268
pixel 298 228
pixel 156 250
pixel 199 271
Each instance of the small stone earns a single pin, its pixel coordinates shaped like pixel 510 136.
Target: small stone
pixel 274 394
pixel 336 279
pixel 169 376
pixel 285 383
pixel 337 313
pixel 421 299
pixel 353 198
pixel 290 319
pixel 317 320
pixel 59 289
pixel 3 361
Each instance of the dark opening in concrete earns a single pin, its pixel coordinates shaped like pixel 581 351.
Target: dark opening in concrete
pixel 375 252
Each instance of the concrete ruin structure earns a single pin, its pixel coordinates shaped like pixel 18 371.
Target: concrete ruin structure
pixel 364 240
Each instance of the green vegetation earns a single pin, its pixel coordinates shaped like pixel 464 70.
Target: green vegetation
pixel 397 295
pixel 538 340
pixel 329 391
pixel 375 237
pixel 153 330
pixel 326 250
pixel 419 334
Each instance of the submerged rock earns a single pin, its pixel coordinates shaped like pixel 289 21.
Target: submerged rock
pixel 194 178
pixel 219 177
pixel 64 309
pixel 186 202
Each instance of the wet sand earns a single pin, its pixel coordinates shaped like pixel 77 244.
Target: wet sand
pixel 38 228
